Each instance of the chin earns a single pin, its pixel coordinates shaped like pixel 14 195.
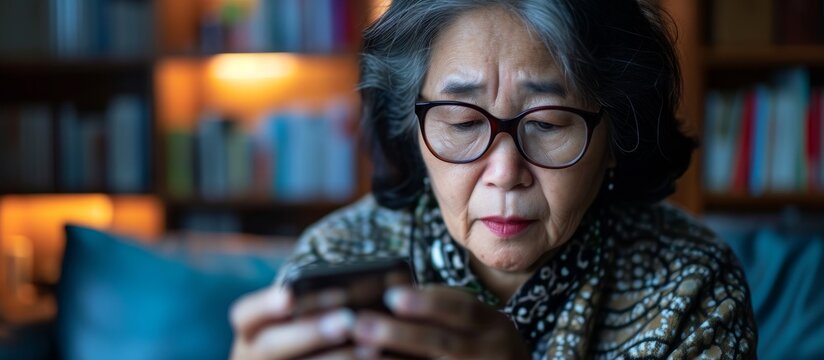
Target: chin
pixel 510 260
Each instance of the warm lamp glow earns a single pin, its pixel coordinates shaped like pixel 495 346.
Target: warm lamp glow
pixel 41 219
pixel 248 86
pixel 252 67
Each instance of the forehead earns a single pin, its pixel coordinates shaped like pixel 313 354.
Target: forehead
pixel 487 37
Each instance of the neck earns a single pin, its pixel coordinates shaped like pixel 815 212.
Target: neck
pixel 503 284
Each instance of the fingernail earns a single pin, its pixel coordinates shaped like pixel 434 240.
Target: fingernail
pixel 278 300
pixel 393 297
pixel 335 325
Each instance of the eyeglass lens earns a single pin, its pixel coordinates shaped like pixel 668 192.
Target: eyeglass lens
pixel 549 137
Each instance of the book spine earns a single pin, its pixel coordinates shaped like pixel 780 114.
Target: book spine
pixel 744 156
pixel 180 164
pixel 813 140
pixel 70 178
pixel 340 154
pixel 9 148
pixel 760 142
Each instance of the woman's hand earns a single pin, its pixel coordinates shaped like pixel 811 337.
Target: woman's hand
pixel 439 322
pixel 265 328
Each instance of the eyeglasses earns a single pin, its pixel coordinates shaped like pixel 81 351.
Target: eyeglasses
pixel 552 137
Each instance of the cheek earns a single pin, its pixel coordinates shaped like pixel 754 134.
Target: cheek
pixel 570 192
pixel 453 186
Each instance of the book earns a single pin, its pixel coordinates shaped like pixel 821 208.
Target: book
pixel 318 26
pixel 265 156
pixel 340 151
pixel 92 150
pixel 813 133
pixel 128 149
pixel 24 28
pixel 295 153
pixel 180 182
pixel 240 150
pixel 792 90
pixel 71 178
pixel 9 148
pixel 289 17
pixel 722 134
pixel 36 147
pixel 744 151
pixel 761 144
pixel 820 100
pixel 212 157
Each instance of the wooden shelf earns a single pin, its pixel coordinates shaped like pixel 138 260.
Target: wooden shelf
pixel 96 64
pixel 777 55
pixel 259 204
pixel 53 192
pixel 762 203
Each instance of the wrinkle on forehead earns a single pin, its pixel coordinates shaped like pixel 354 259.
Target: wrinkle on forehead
pixel 504 68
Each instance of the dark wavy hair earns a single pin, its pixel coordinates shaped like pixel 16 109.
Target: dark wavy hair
pixel 616 53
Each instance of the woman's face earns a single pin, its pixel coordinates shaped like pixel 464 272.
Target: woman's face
pixel 507 212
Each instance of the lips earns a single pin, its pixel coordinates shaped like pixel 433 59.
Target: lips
pixel 506 226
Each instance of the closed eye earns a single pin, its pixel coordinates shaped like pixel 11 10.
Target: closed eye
pixel 543 126
pixel 467 125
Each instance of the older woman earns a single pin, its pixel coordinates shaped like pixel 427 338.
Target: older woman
pixel 521 152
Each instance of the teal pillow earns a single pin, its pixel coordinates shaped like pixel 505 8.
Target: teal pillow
pixel 121 299
pixel 785 271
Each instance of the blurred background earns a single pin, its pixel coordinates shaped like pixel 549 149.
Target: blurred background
pixel 191 140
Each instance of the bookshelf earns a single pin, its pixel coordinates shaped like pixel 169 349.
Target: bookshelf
pixel 771 56
pixel 750 49
pixel 170 116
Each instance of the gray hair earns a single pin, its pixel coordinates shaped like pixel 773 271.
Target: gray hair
pixel 616 53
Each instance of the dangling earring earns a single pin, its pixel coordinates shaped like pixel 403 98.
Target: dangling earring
pixel 611 179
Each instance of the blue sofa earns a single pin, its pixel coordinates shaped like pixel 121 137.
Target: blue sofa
pixel 165 301
pixel 783 258
pixel 170 300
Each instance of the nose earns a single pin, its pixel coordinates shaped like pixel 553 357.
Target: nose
pixel 505 167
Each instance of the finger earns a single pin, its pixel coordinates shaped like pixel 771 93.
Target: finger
pixel 304 336
pixel 251 311
pixel 452 308
pixel 377 330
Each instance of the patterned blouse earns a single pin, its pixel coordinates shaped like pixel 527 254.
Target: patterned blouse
pixel 632 282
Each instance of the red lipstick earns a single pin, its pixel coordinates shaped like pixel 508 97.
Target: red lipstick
pixel 506 226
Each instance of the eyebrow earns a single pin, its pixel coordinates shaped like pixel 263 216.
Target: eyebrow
pixel 461 88
pixel 535 87
pixel 545 87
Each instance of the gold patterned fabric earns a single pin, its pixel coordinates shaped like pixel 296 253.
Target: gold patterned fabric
pixel 633 282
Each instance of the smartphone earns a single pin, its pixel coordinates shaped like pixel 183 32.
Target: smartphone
pixel 362 283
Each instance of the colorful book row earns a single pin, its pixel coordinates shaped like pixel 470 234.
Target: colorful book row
pixel 315 26
pixel 46 149
pixel 290 156
pixel 767 138
pixel 77 28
